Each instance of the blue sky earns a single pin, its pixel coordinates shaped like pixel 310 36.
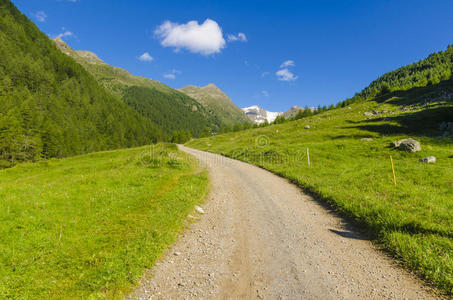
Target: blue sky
pixel 288 52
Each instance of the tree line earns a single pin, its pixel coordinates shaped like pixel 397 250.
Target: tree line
pixel 50 106
pixel 435 68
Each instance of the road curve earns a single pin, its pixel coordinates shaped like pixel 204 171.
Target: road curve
pixel 262 238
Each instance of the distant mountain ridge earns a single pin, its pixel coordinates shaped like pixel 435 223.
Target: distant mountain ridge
pixel 217 103
pixel 259 115
pixel 169 109
pixel 292 112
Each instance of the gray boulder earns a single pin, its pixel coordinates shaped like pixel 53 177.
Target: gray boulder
pixel 447 126
pixel 429 159
pixel 409 145
pixel 307 127
pixel 368 114
pixel 366 140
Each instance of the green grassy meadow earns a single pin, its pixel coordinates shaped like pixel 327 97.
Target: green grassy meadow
pixel 414 220
pixel 87 227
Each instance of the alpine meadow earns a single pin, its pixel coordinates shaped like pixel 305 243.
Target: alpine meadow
pixel 226 150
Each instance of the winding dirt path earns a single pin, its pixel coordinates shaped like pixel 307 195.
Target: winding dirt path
pixel 262 238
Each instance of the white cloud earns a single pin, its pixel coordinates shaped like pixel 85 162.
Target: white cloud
pixel 265 93
pixel 146 57
pixel 40 16
pixel 285 75
pixel 264 74
pixel 204 39
pixel 239 37
pixel 65 33
pixel 288 63
pixel 172 74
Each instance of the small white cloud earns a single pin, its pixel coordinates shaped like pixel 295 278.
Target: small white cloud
pixel 288 63
pixel 240 37
pixel 65 33
pixel 265 93
pixel 204 39
pixel 285 75
pixel 172 74
pixel 146 57
pixel 264 74
pixel 40 16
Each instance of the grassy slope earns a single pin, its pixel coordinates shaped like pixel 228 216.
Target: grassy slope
pixel 217 103
pixel 88 226
pixel 414 221
pixel 193 114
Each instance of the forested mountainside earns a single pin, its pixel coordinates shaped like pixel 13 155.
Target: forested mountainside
pixel 50 106
pixel 170 109
pixel 435 68
pixel 217 103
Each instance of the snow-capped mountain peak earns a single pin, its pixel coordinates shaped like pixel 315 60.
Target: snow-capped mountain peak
pixel 260 115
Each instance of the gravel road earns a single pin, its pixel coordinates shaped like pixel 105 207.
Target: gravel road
pixel 262 238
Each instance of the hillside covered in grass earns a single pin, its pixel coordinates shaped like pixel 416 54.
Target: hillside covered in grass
pixel 87 227
pixel 349 151
pixel 217 103
pixel 432 70
pixel 50 105
pixel 170 109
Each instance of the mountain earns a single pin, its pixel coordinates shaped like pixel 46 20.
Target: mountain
pixel 169 109
pixel 217 103
pixel 259 115
pixel 292 112
pixel 50 105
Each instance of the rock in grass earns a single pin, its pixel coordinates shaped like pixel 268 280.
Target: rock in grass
pixel 447 126
pixel 366 140
pixel 307 127
pixel 368 114
pixel 429 159
pixel 409 145
pixel 199 209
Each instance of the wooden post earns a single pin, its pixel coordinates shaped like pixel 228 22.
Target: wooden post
pixel 308 157
pixel 393 171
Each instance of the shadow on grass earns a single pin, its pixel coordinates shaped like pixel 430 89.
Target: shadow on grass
pixel 416 95
pixel 422 120
pixel 355 136
pixel 421 123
